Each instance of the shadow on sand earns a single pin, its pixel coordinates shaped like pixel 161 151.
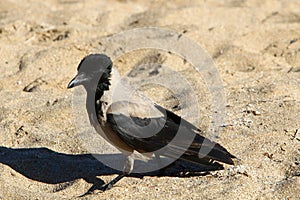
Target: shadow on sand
pixel 47 166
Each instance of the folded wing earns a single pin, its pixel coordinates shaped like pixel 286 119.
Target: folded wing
pixel 151 128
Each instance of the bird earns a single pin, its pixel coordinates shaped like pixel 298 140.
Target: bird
pixel 127 124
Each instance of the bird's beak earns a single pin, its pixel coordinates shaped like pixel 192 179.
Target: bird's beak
pixel 79 79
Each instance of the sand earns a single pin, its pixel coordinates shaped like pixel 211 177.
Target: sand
pixel 254 44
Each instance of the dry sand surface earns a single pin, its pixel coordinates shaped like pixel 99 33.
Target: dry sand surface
pixel 255 45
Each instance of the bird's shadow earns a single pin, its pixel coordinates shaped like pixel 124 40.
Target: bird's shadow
pixel 47 166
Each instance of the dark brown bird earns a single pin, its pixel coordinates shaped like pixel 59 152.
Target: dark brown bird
pixel 127 124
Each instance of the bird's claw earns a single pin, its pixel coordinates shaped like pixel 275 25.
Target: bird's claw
pixel 106 187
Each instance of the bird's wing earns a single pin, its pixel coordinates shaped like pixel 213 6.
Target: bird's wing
pixel 151 128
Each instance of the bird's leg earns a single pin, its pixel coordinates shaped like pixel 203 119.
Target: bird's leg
pixel 158 161
pixel 161 168
pixel 128 167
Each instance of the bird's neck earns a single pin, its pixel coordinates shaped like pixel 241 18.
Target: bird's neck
pixel 94 103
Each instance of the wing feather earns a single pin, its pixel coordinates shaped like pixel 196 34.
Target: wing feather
pixel 149 128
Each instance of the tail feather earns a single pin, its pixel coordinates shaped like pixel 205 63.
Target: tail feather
pixel 206 164
pixel 206 149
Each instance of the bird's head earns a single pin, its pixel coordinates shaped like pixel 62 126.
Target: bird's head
pixel 94 69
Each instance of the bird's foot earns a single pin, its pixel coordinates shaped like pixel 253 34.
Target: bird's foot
pixel 106 187
pixel 97 187
pixel 93 189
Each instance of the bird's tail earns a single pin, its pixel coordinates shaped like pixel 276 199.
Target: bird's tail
pixel 206 152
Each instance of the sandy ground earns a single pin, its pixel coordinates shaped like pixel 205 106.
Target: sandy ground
pixel 255 45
